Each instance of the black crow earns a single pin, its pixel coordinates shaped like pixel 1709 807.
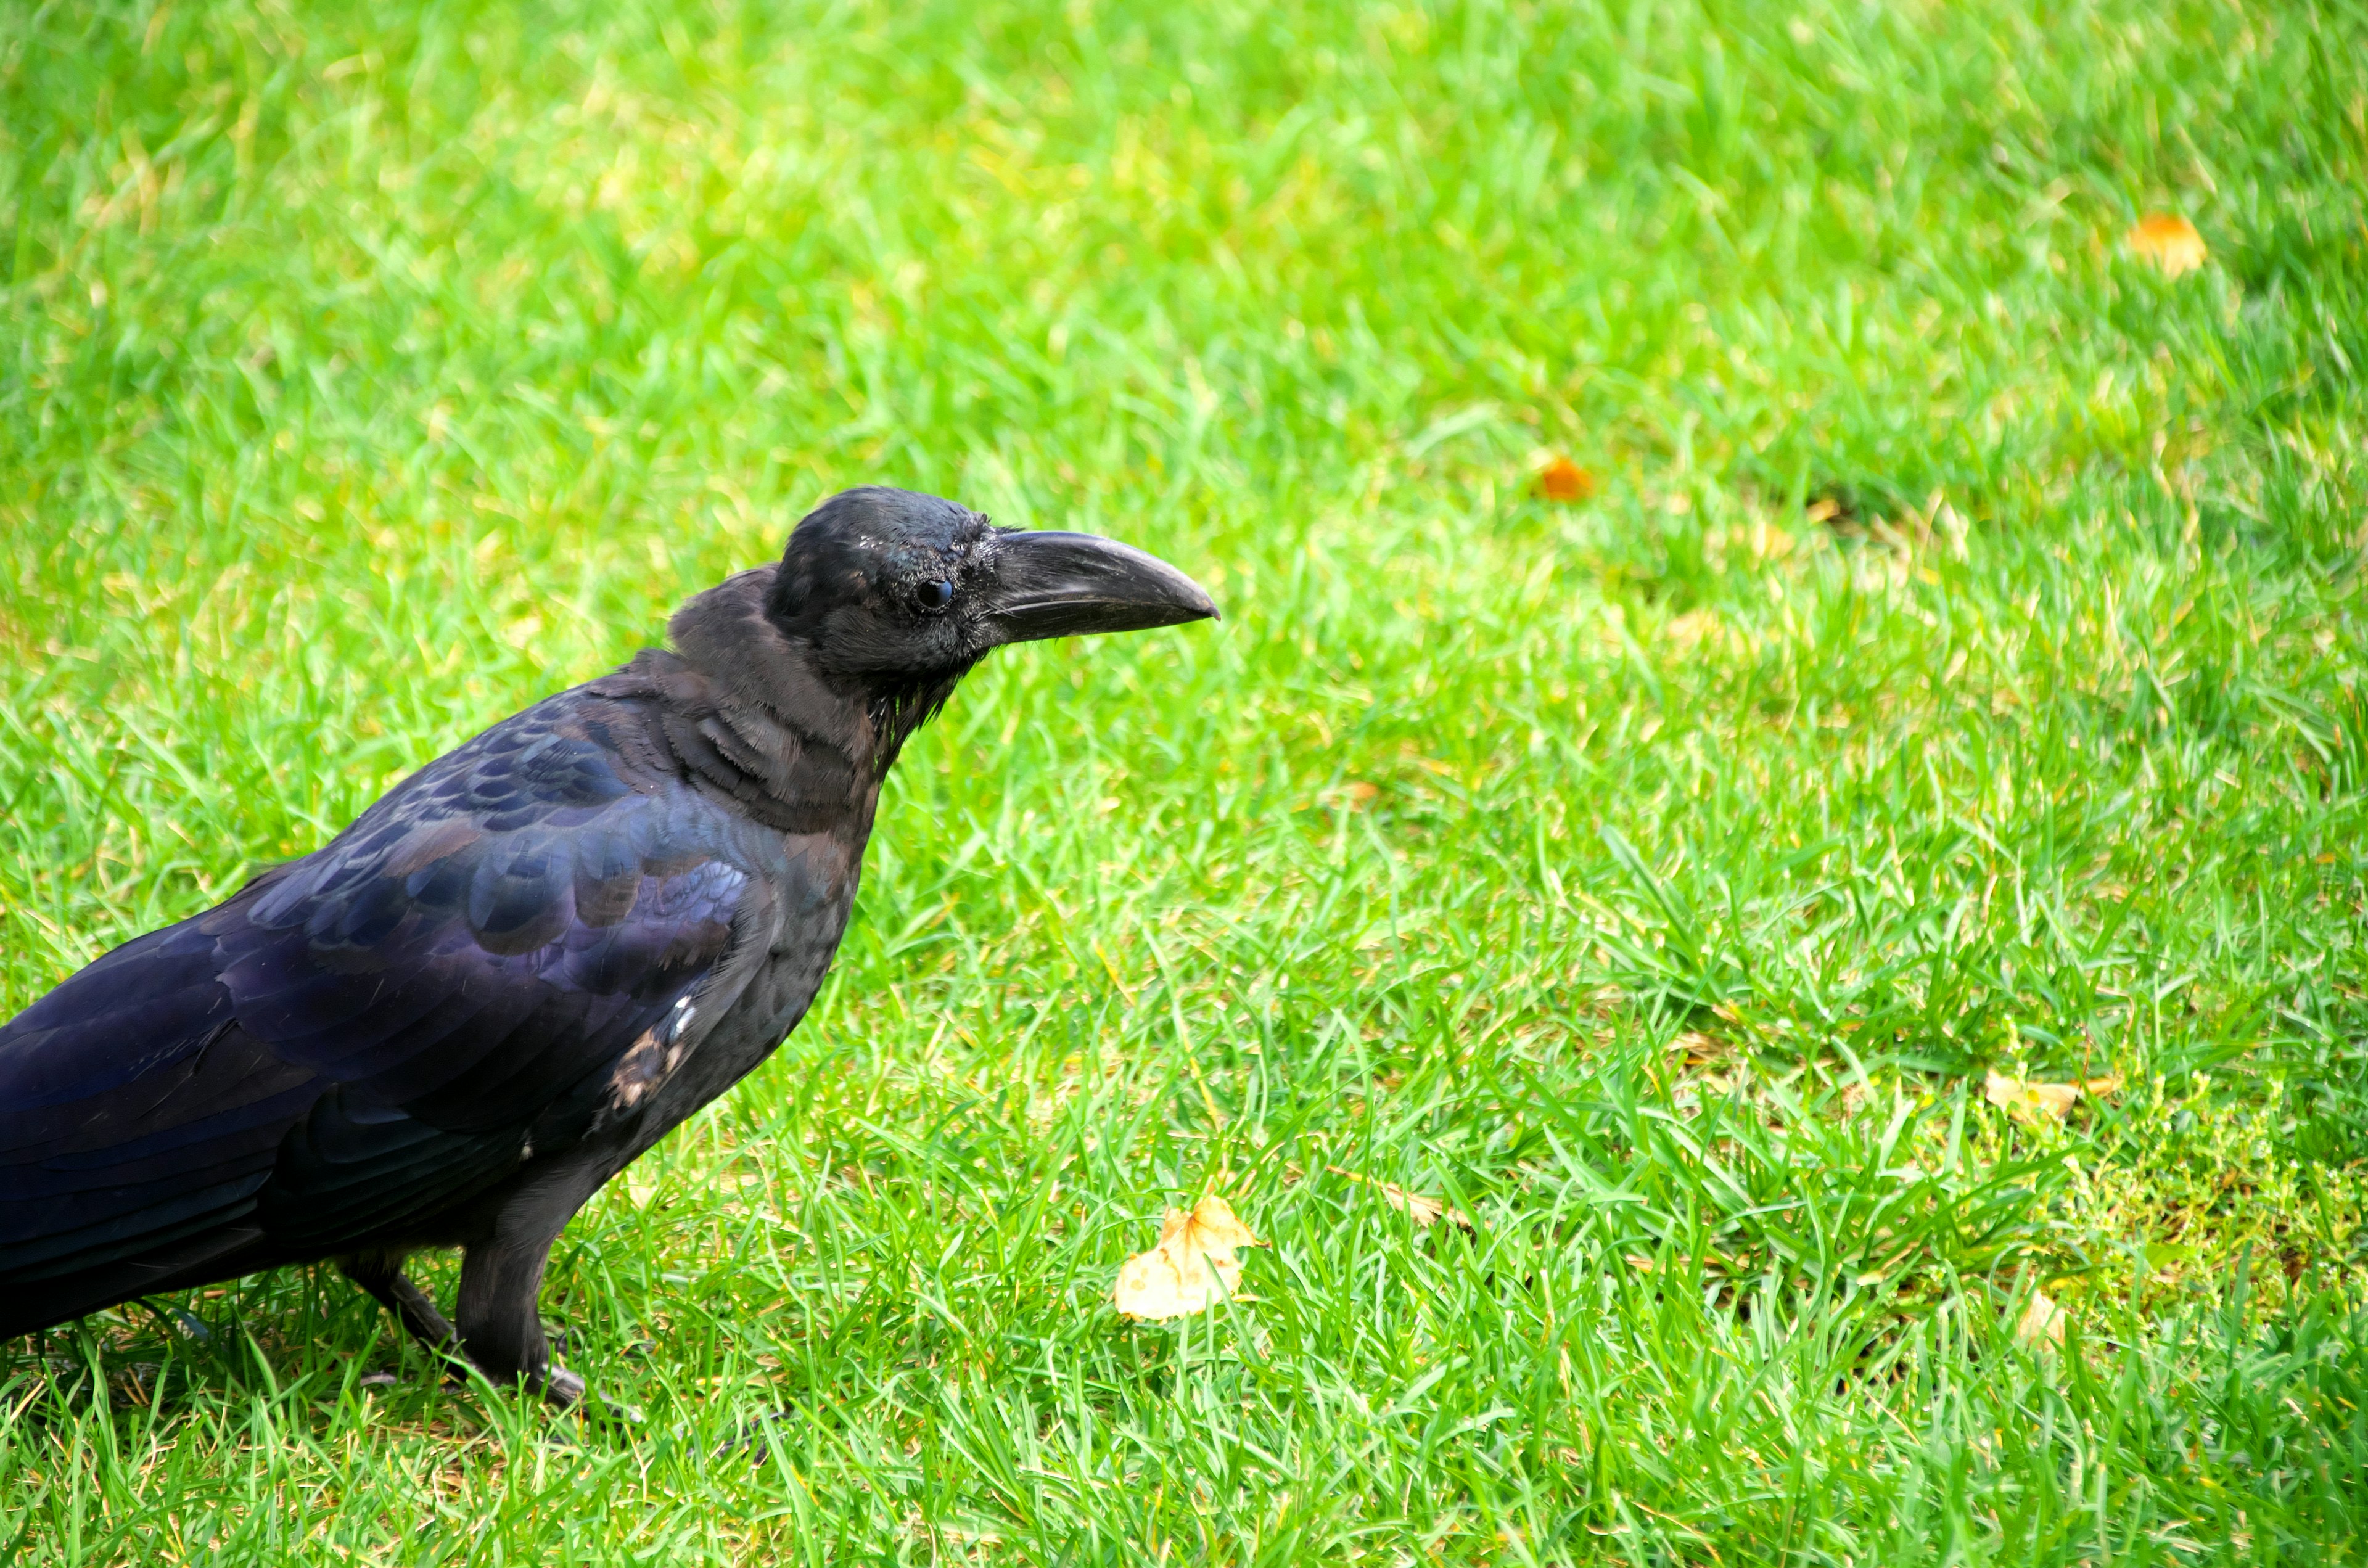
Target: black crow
pixel 512 974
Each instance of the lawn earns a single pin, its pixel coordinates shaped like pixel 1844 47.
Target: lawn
pixel 1953 669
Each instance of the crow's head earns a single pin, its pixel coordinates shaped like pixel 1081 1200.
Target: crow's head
pixel 900 592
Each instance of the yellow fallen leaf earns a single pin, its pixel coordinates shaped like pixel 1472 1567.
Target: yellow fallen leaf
pixel 1196 1263
pixel 2034 1098
pixel 2169 241
pixel 2041 1323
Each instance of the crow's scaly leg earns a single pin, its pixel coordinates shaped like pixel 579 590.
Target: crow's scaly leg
pixel 381 1273
pixel 501 1278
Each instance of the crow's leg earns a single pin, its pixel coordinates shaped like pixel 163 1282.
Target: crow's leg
pixel 501 1327
pixel 381 1273
pixel 501 1276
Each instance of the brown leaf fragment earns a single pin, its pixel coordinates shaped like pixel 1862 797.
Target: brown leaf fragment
pixel 1700 1050
pixel 1423 1211
pixel 1197 1263
pixel 2169 241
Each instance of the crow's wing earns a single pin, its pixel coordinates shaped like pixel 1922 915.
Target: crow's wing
pixel 361 1039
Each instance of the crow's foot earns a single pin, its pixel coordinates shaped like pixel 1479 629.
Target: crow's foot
pixel 563 1388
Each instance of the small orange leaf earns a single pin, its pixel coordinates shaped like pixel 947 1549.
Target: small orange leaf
pixel 2169 241
pixel 1563 480
pixel 1197 1263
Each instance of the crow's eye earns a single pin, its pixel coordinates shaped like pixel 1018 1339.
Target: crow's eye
pixel 937 596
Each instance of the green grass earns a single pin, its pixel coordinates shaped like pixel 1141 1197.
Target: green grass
pixel 1655 878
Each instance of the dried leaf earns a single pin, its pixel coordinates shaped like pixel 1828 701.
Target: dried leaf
pixel 1424 1211
pixel 2041 1323
pixel 2033 1098
pixel 1701 1050
pixel 1563 480
pixel 1197 1263
pixel 2169 241
pixel 2022 1095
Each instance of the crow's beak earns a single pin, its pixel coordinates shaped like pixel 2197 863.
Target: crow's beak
pixel 1063 584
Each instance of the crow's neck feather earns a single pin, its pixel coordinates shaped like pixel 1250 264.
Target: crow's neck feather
pixel 745 710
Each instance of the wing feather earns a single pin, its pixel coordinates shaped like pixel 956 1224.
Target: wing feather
pixel 362 1038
